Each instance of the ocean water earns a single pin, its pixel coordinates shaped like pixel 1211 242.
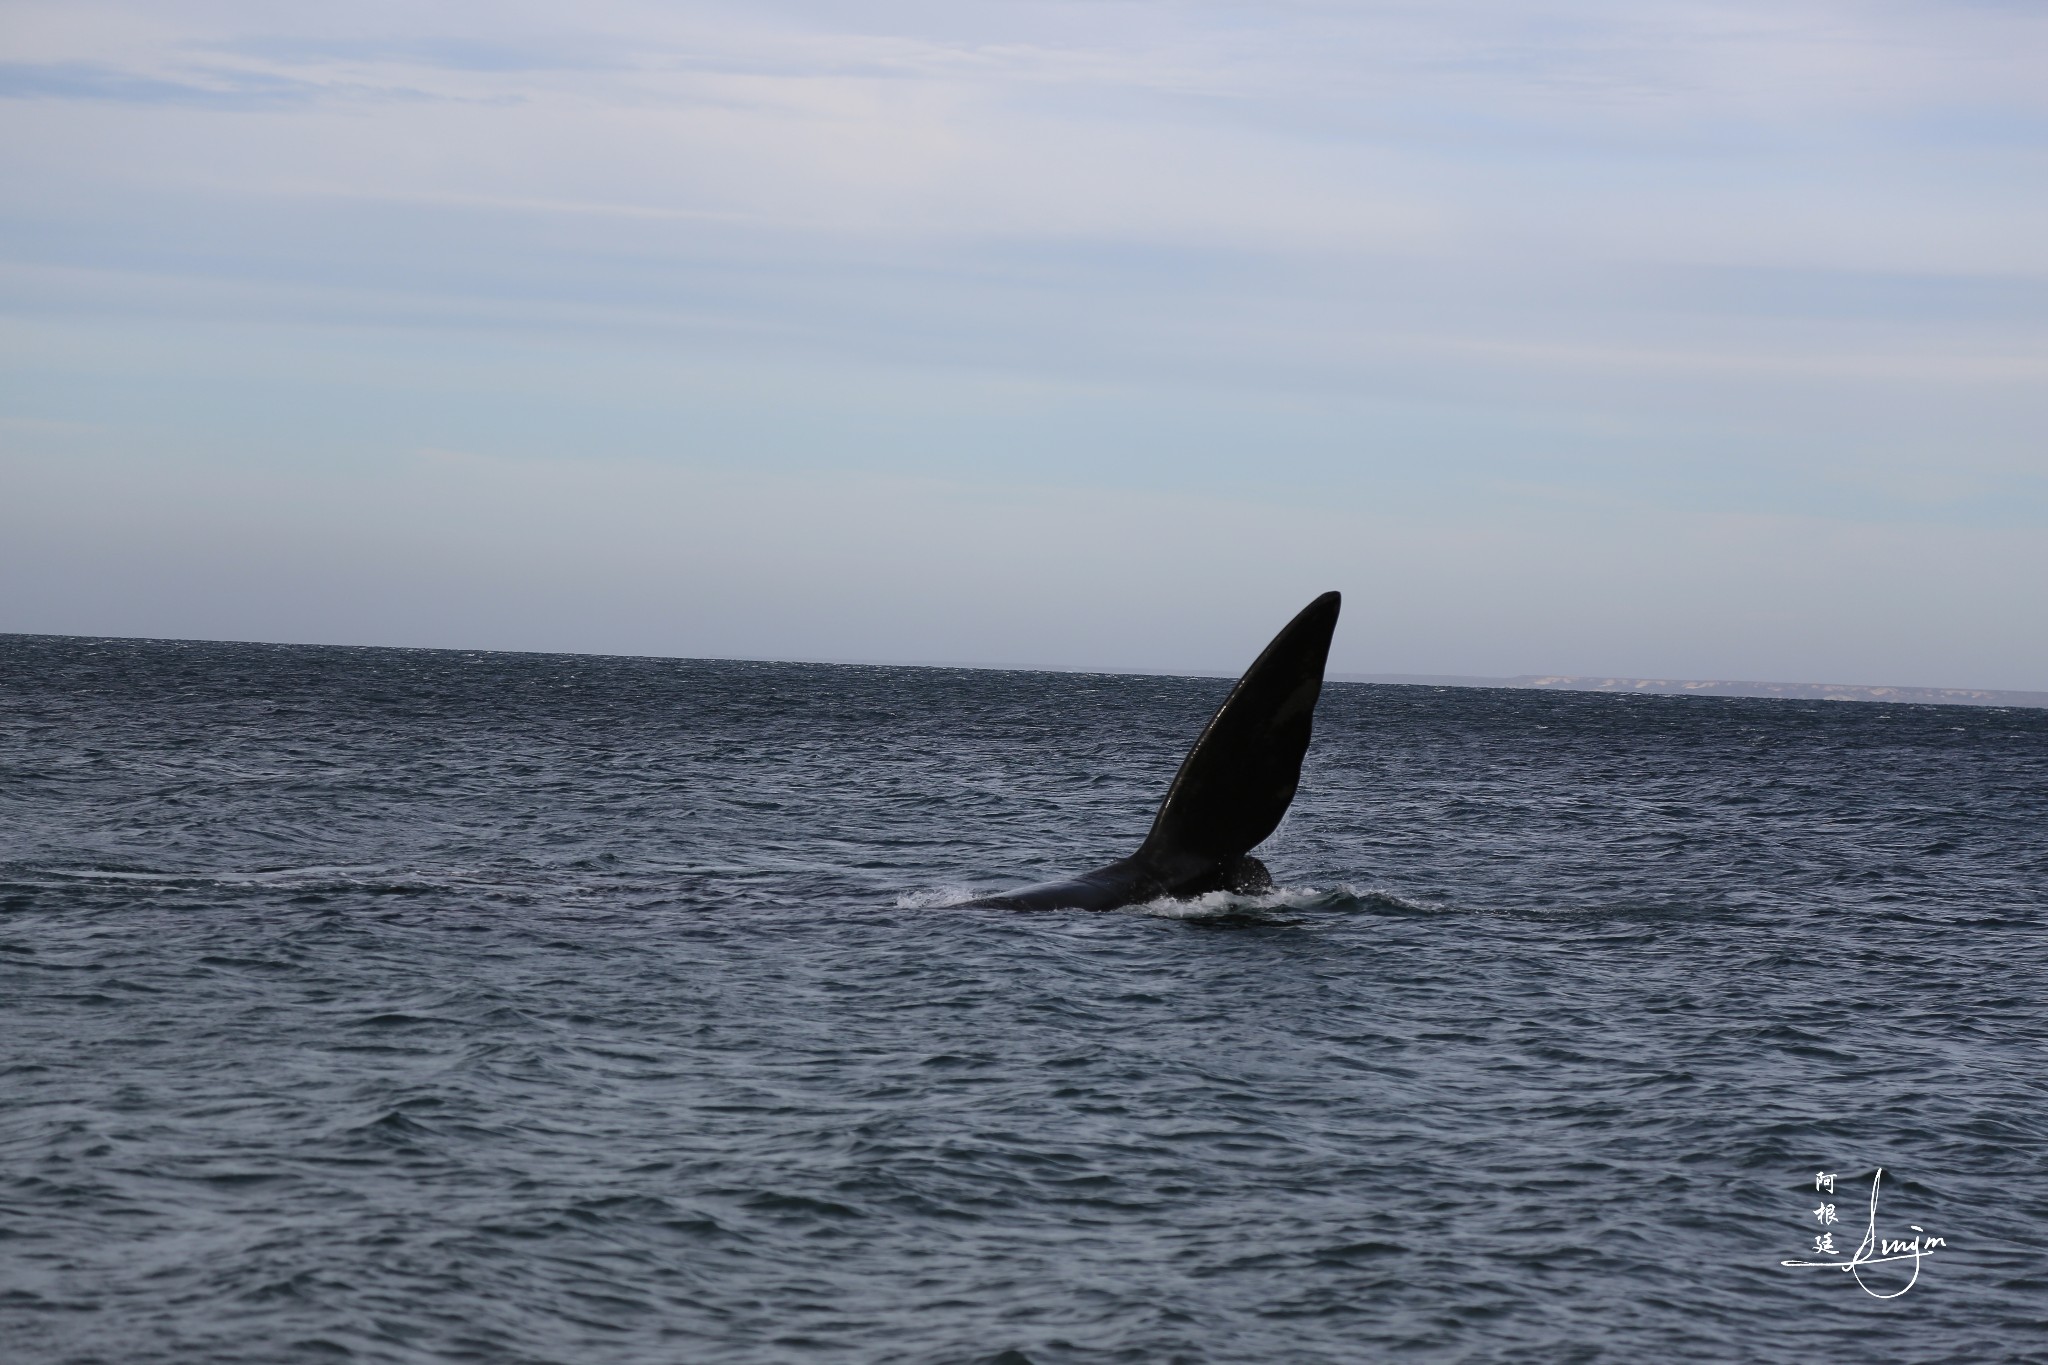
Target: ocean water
pixel 391 1005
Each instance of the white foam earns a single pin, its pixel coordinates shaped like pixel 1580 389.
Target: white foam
pixel 936 898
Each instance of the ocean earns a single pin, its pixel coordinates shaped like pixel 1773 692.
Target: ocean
pixel 407 1005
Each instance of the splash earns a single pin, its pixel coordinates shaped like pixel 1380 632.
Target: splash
pixel 936 898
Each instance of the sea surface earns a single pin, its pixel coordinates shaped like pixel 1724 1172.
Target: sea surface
pixel 401 1005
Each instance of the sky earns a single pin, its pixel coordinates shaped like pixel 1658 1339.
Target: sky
pixel 1563 336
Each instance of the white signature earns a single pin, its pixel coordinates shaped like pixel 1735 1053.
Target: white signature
pixel 1872 1250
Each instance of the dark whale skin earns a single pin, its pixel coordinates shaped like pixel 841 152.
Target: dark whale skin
pixel 1231 790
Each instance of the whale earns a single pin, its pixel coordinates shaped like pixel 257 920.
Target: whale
pixel 1230 792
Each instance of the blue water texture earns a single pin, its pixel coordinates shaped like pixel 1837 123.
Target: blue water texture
pixel 406 1006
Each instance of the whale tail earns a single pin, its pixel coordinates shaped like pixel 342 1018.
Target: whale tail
pixel 1231 789
pixel 1238 780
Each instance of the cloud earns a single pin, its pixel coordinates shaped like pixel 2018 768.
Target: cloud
pixel 1787 261
pixel 241 90
pixel 444 52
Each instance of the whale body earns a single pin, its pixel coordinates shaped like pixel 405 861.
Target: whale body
pixel 1230 792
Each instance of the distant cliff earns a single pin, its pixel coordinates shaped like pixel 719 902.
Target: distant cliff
pixel 1677 687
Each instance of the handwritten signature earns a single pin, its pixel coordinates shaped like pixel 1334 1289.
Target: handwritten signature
pixel 1872 1250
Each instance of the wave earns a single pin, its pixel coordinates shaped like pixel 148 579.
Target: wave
pixel 335 879
pixel 1219 904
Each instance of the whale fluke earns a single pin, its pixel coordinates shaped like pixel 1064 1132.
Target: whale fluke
pixel 1231 789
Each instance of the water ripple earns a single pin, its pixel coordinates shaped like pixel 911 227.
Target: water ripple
pixel 380 1005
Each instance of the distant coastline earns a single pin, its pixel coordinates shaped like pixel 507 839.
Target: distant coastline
pixel 1693 687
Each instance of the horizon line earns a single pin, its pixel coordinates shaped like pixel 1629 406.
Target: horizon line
pixel 1613 684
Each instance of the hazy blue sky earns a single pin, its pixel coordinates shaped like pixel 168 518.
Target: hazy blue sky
pixel 1688 339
